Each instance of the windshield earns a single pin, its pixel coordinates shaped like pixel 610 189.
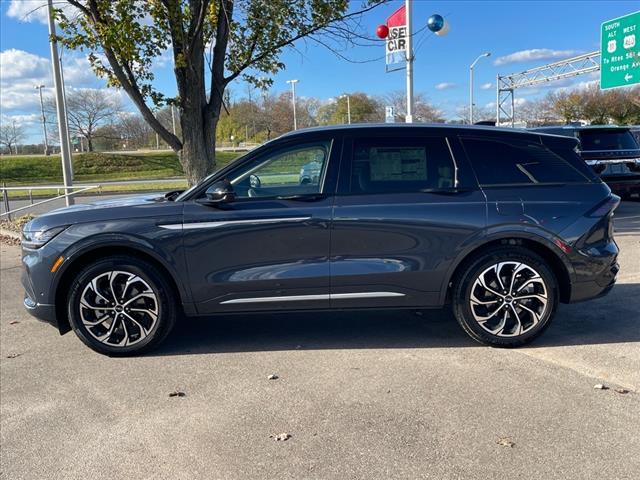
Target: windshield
pixel 607 140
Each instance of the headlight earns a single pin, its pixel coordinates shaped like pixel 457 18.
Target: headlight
pixel 37 239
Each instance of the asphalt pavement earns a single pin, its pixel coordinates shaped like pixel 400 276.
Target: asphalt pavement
pixel 362 395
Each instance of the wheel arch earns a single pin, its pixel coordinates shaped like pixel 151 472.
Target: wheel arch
pixel 540 246
pixel 88 255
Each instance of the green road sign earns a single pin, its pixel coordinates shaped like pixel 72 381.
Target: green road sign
pixel 620 51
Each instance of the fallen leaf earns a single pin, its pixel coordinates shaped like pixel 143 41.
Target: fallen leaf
pixel 281 437
pixel 600 386
pixel 505 442
pixel 14 322
pixel 272 377
pixel 177 393
pixel 621 390
pixel 13 355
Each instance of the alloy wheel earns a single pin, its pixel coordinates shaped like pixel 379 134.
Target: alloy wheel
pixel 509 299
pixel 118 308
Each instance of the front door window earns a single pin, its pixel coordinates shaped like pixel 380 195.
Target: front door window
pixel 297 170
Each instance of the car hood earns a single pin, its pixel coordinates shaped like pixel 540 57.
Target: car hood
pixel 118 208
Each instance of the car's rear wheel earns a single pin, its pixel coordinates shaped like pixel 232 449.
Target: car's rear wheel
pixel 505 297
pixel 121 305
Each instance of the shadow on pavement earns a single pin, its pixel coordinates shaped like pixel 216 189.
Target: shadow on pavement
pixel 612 319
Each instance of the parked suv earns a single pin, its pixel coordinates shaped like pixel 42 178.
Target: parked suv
pixel 613 153
pixel 500 224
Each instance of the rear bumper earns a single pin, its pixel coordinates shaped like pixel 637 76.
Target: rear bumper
pixel 598 287
pixel 624 188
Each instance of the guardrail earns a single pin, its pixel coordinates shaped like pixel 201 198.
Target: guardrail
pixel 5 196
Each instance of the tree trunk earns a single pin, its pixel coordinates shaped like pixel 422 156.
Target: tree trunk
pixel 198 154
pixel 90 144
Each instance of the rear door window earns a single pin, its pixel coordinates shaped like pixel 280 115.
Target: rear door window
pixel 387 165
pixel 517 162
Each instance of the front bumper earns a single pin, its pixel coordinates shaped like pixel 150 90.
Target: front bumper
pixel 42 311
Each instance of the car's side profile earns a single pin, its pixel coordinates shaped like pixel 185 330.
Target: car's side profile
pixel 503 225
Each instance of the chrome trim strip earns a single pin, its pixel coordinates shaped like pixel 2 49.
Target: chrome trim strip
pixel 324 296
pixel 224 223
pixel 339 296
pixel 292 298
pixel 455 163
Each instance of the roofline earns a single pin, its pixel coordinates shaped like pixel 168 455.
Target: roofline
pixel 417 126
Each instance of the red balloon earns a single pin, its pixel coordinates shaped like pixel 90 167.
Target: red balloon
pixel 382 31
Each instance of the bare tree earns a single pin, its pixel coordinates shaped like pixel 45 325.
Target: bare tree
pixel 11 134
pixel 88 110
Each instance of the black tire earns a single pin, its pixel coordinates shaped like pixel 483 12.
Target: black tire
pixel 464 284
pixel 164 304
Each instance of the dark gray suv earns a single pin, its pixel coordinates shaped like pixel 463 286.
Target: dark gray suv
pixel 500 224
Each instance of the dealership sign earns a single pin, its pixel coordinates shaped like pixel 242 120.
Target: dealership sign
pixel 396 41
pixel 620 51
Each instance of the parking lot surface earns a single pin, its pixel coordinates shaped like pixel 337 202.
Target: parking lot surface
pixel 362 395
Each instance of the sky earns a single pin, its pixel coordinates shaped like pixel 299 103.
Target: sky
pixel 518 34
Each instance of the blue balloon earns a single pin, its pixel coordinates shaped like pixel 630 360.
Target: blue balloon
pixel 435 23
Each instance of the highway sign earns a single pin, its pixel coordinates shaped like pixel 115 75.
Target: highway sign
pixel 620 51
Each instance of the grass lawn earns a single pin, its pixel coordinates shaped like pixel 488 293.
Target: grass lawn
pixel 96 167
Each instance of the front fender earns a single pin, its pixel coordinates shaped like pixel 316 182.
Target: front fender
pixel 171 258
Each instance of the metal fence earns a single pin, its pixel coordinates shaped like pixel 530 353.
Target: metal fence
pixel 30 189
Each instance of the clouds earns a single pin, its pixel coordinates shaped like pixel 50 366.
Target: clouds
pixel 35 10
pixel 22 71
pixel 534 54
pixel 445 86
pixel 486 86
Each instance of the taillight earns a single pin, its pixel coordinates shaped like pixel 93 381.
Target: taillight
pixel 606 207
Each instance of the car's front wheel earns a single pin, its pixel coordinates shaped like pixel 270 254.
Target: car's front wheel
pixel 121 305
pixel 505 297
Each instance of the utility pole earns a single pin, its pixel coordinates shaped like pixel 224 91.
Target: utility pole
pixel 409 54
pixel 44 120
pixel 471 67
pixel 346 95
pixel 293 100
pixel 60 107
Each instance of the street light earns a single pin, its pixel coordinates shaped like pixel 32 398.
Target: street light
pixel 44 120
pixel 348 107
pixel 293 100
pixel 486 54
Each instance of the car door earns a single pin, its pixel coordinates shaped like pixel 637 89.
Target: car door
pixel 404 210
pixel 268 248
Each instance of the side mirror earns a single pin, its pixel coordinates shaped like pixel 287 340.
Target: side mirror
pixel 221 192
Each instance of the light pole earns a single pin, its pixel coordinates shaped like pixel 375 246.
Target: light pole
pixel 486 54
pixel 44 120
pixel 293 100
pixel 348 107
pixel 67 167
